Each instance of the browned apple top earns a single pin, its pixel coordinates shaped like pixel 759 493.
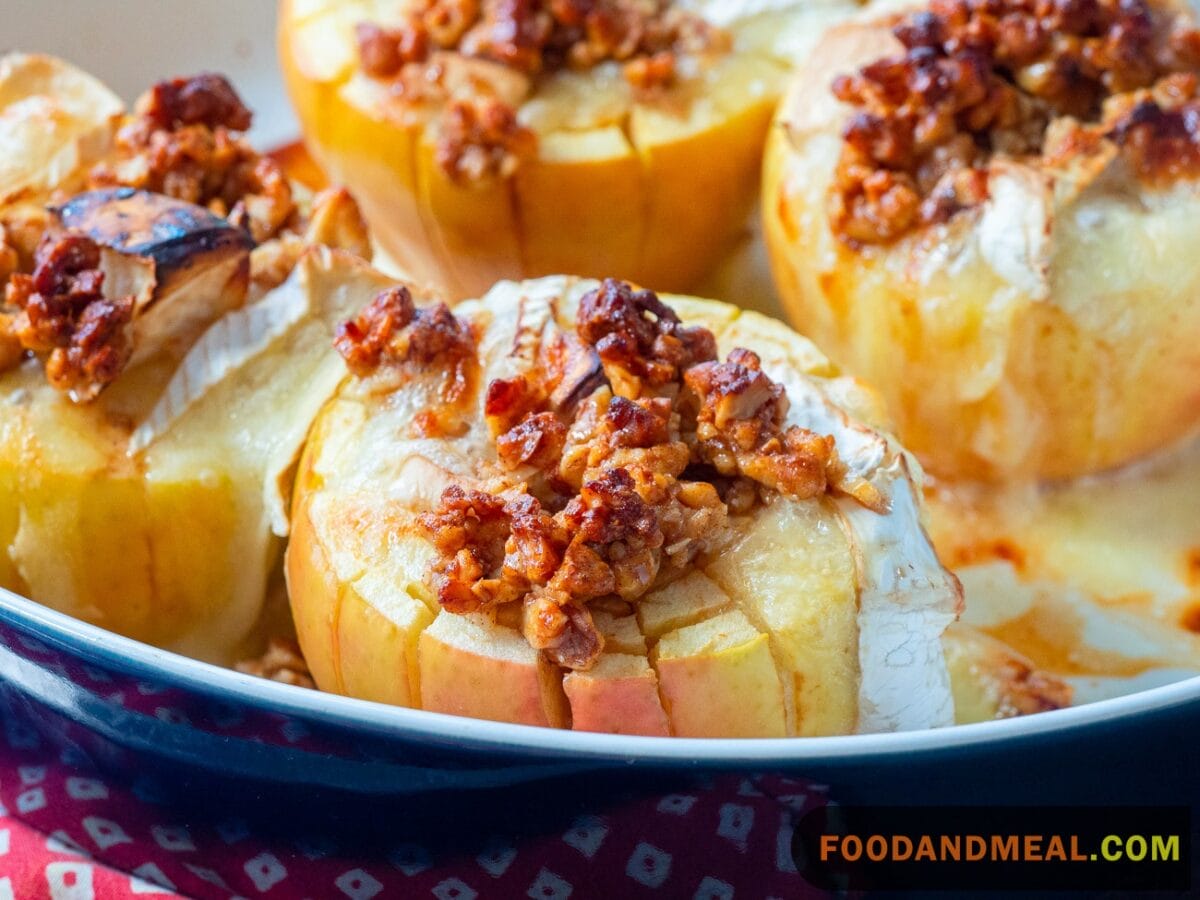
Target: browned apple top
pixel 1022 78
pixel 623 454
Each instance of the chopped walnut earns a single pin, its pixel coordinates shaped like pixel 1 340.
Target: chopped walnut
pixel 509 400
pixel 206 99
pixel 64 314
pixel 11 349
pixel 985 77
pixel 282 661
pixel 470 529
pixel 183 143
pixel 739 429
pixel 649 73
pixel 393 329
pixel 537 440
pixel 639 338
pixel 630 490
pixel 1158 129
pixel 564 630
pixel 481 138
pixel 534 36
pixel 383 52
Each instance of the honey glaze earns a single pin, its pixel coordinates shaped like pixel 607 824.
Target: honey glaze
pixel 1096 579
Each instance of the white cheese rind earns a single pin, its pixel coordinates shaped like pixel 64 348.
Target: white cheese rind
pixel 906 597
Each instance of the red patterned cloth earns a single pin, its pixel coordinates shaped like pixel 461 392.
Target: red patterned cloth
pixel 66 833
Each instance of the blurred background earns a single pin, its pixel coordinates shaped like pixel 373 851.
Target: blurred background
pixel 134 43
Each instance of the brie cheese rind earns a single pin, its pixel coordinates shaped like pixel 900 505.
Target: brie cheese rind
pixel 823 616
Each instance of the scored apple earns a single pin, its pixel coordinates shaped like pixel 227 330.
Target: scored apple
pixel 493 141
pixel 572 513
pixel 156 379
pixel 1019 286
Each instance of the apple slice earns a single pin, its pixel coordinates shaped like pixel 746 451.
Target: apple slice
pixel 693 597
pixel 991 680
pixel 472 667
pixel 618 695
pixel 621 633
pixel 719 679
pixel 596 162
pixel 794 576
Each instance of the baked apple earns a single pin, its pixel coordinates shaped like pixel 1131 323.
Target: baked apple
pixel 987 210
pixel 490 140
pixel 149 361
pixel 582 505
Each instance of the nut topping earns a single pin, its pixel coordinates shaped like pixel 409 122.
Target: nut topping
pixel 62 312
pixel 604 499
pixel 184 143
pixel 480 137
pixel 979 78
pixel 393 329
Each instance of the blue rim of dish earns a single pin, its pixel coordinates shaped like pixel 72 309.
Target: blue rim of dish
pixel 126 654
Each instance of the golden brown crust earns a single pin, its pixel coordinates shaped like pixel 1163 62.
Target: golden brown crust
pixel 625 489
pixel 985 77
pixel 62 312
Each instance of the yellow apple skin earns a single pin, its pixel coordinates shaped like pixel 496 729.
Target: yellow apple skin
pixel 719 680
pixel 472 667
pixel 89 531
pixel 621 186
pixel 619 695
pixel 1048 334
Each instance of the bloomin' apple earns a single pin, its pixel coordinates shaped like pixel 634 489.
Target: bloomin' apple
pixel 820 616
pixel 1044 329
